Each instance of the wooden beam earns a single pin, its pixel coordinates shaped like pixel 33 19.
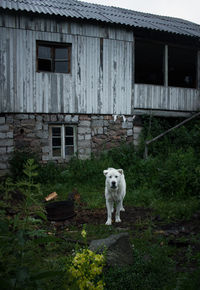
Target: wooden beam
pixel 162 113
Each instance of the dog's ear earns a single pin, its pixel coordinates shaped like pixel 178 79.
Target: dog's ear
pixel 105 172
pixel 120 171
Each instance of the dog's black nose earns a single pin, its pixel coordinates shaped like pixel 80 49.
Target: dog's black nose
pixel 113 183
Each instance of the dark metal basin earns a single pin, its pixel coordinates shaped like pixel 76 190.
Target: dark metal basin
pixel 60 210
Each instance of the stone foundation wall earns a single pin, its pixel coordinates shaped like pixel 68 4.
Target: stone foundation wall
pixel 94 134
pixel 108 132
pixel 6 142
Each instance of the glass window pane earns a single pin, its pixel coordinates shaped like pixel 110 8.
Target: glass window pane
pixel 44 65
pixel 69 150
pixel 69 131
pixel 56 131
pixel 61 53
pixel 56 152
pixel 44 52
pixel 56 141
pixel 69 140
pixel 61 66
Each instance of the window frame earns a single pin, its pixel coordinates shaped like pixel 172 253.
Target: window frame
pixel 62 137
pixel 53 46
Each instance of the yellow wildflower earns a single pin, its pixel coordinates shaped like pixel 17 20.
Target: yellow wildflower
pixel 86 266
pixel 83 234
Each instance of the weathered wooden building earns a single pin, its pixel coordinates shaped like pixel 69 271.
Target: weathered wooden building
pixel 74 75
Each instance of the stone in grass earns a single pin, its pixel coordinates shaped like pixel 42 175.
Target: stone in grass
pixel 119 251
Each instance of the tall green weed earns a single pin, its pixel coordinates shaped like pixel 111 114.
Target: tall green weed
pixel 20 236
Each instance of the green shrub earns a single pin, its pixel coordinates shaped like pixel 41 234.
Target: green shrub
pixel 187 135
pixel 18 160
pixel 152 269
pixel 142 173
pixel 178 175
pixel 50 173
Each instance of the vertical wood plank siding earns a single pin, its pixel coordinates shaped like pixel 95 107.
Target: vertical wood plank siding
pixel 100 81
pixel 166 98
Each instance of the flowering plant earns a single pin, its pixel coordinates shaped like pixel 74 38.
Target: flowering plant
pixel 86 267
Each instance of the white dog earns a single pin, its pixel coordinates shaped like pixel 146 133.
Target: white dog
pixel 115 190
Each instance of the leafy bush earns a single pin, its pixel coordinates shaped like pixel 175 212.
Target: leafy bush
pixel 18 160
pixel 187 135
pixel 86 268
pixel 50 173
pixel 142 173
pixel 179 174
pixel 152 269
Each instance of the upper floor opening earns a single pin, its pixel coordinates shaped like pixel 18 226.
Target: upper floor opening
pixel 165 65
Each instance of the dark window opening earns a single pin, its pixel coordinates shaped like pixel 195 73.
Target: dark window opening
pixel 53 57
pixel 182 67
pixel 149 63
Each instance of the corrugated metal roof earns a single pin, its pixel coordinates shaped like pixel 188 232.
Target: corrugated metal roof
pixel 83 10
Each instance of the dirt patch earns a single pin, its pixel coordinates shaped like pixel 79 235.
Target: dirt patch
pixel 129 218
pixel 137 216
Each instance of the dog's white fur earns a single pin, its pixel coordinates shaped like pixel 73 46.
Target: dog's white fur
pixel 115 191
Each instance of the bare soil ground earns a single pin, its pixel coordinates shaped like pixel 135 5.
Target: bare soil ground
pixel 138 215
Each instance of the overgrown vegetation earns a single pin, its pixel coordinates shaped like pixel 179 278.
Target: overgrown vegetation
pixel 168 182
pixel 20 233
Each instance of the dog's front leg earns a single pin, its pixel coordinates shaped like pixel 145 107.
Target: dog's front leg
pixel 109 205
pixel 117 215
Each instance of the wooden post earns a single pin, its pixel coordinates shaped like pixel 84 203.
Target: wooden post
pixel 198 69
pixel 133 77
pixel 166 67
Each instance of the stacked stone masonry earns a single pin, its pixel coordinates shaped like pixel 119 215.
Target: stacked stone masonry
pixel 95 133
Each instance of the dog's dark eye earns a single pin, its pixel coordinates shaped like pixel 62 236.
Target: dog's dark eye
pixel 110 176
pixel 116 176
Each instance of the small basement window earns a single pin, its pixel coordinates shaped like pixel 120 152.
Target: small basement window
pixel 149 62
pixel 53 57
pixel 63 141
pixel 182 67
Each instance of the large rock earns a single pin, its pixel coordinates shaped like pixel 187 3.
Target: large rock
pixel 118 249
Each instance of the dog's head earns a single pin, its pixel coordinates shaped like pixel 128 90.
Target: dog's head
pixel 113 177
